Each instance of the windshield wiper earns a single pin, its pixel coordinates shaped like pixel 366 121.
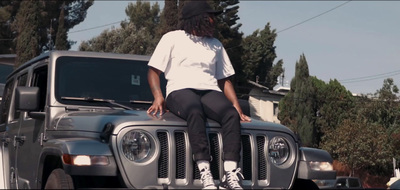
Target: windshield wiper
pixel 140 102
pixel 91 99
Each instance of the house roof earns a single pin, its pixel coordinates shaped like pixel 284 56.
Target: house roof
pixel 280 91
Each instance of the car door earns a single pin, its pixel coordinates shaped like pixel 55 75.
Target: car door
pixel 8 151
pixel 31 135
pixel 11 125
pixel 15 128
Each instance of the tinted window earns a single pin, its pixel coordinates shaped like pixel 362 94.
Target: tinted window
pixel 6 101
pixel 39 79
pixel 354 182
pixel 114 79
pixel 21 81
pixel 341 182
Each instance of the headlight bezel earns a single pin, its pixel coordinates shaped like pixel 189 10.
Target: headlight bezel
pixel 142 135
pixel 277 146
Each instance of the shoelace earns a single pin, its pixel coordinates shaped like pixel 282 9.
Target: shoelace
pixel 206 178
pixel 233 179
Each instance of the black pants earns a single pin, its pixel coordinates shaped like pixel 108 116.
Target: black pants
pixel 195 106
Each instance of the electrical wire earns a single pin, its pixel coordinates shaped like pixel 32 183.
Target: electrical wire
pixel 316 16
pixel 371 77
pixel 95 27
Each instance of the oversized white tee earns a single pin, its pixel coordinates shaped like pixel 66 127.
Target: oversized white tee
pixel 190 61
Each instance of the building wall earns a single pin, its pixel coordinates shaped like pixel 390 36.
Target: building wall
pixel 264 106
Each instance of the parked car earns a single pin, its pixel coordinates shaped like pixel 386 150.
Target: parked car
pixel 341 182
pixel 78 120
pixel 1 90
pixel 394 182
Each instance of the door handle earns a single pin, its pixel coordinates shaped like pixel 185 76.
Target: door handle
pixel 5 140
pixel 19 139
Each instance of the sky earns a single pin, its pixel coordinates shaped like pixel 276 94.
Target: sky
pixel 354 42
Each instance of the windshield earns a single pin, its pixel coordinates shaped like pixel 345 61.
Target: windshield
pixel 123 81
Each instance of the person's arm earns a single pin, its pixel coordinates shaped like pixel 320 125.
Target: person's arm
pixel 153 76
pixel 227 87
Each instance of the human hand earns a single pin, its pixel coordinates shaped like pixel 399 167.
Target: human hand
pixel 243 117
pixel 158 106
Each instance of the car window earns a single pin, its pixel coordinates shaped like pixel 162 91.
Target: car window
pixel 341 182
pixel 21 81
pixel 113 79
pixel 354 183
pixel 6 100
pixel 39 79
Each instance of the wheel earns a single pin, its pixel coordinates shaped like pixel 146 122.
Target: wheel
pixel 58 179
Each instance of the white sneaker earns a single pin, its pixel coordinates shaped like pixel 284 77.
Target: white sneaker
pixel 207 179
pixel 231 180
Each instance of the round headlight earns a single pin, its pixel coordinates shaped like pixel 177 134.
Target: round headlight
pixel 278 150
pixel 136 145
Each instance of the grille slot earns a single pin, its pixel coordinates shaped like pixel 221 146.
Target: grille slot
pixel 215 154
pixel 180 155
pixel 163 160
pixel 247 157
pixel 262 168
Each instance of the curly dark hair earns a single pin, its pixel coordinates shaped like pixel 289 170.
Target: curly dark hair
pixel 199 25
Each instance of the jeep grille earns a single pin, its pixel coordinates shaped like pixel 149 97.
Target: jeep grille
pixel 215 148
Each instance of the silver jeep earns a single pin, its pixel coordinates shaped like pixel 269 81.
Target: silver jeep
pixel 78 120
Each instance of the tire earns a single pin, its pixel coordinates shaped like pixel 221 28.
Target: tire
pixel 58 179
pixel 303 184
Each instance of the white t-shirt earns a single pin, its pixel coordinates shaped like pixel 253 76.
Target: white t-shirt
pixel 190 61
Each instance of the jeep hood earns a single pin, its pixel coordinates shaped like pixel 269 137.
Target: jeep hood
pixel 94 121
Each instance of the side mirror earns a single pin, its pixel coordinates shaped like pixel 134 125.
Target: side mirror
pixel 27 98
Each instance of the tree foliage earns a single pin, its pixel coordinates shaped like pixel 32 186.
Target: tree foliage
pixel 5 27
pixel 47 27
pixel 138 36
pixel 169 18
pixel 27 27
pixel 259 55
pixel 359 144
pixel 298 107
pixel 62 36
pixel 359 131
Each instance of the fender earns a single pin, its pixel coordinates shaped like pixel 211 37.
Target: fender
pixel 315 164
pixel 55 149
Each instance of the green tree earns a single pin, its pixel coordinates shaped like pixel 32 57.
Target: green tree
pixel 259 55
pixel 5 32
pixel 227 31
pixel 62 36
pixel 368 150
pixel 48 13
pixel 143 15
pixel 298 107
pixel 169 17
pixel 28 18
pixel 138 36
pixel 334 104
pixel 74 13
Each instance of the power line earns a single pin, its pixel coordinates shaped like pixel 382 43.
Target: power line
pixel 302 22
pixel 96 27
pixel 371 77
